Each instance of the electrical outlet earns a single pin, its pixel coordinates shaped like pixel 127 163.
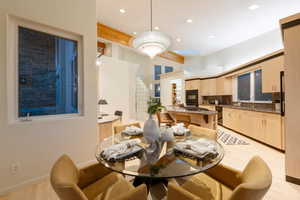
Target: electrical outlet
pixel 14 168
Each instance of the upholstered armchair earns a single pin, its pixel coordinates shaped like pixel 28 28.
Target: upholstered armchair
pixel 120 128
pixel 90 183
pixel 225 183
pixel 199 131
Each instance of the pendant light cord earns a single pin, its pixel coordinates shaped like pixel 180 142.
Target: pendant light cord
pixel 151 15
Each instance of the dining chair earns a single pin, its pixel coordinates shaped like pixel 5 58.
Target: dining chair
pixel 90 183
pixel 199 131
pixel 224 183
pixel 119 113
pixel 120 128
pixel 185 119
pixel 165 118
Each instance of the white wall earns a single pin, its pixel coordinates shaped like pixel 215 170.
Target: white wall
pixel 117 81
pixel 234 56
pixel 36 145
pixel 146 71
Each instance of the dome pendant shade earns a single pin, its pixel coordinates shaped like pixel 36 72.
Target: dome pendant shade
pixel 152 43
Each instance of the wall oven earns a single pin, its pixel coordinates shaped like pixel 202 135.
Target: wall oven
pixel 191 98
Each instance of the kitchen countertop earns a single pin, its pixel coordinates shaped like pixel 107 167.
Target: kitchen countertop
pixel 109 118
pixel 264 110
pixel 184 110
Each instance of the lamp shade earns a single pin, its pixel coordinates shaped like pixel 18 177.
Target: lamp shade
pixel 102 102
pixel 151 43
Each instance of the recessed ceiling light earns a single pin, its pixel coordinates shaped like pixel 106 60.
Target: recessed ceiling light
pixel 189 21
pixel 156 28
pixel 122 10
pixel 134 33
pixel 211 36
pixel 253 7
pixel 178 39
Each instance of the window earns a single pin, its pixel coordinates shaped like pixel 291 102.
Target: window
pixel 168 69
pixel 249 88
pixel 157 72
pixel 259 96
pixel 244 87
pixel 47 74
pixel 156 90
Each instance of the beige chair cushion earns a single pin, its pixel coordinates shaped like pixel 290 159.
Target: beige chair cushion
pixel 119 188
pixel 123 190
pixel 204 187
pixel 199 131
pixel 93 191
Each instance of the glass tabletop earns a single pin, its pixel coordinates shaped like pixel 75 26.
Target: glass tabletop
pixel 169 164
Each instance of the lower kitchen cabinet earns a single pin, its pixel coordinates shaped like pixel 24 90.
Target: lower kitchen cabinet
pixel 265 127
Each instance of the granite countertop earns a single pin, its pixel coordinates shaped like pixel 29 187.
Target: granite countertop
pixel 109 118
pixel 196 111
pixel 265 110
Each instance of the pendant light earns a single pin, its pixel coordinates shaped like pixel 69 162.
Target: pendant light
pixel 151 42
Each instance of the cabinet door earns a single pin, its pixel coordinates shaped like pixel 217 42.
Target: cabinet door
pixel 272 130
pixel 271 74
pixel 196 85
pixel 188 85
pixel 192 85
pixel 227 121
pixel 204 88
pixel 256 126
pixel 212 87
pixel 224 86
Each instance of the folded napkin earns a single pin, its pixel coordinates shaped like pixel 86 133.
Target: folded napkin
pixel 133 131
pixel 198 148
pixel 121 150
pixel 179 129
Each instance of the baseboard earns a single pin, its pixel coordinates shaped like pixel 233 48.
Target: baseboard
pixel 32 181
pixel 292 180
pixel 36 180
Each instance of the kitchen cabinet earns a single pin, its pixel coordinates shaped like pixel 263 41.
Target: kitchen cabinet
pixel 224 86
pixel 271 74
pixel 208 87
pixel 192 84
pixel 106 125
pixel 265 127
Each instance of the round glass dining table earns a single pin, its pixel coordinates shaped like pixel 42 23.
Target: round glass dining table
pixel 169 164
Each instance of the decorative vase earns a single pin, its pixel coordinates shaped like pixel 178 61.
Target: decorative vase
pixel 151 130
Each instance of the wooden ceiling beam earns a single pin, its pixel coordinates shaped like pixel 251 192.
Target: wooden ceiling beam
pixel 114 35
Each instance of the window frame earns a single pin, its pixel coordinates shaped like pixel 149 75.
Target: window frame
pixel 12 38
pixel 159 90
pixel 157 75
pixel 252 88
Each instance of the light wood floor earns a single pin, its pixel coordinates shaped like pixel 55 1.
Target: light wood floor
pixel 236 156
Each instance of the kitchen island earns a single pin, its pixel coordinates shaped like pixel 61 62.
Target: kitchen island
pixel 198 116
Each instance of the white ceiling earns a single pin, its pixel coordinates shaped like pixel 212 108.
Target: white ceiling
pixel 230 21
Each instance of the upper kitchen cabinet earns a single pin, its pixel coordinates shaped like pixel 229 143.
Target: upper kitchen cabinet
pixel 224 86
pixel 192 84
pixel 208 87
pixel 271 74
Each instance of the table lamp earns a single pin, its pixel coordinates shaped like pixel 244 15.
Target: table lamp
pixel 102 102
